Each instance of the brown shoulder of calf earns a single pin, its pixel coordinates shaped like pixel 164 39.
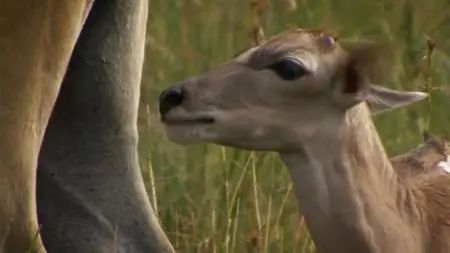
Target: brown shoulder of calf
pixel 428 189
pixel 423 158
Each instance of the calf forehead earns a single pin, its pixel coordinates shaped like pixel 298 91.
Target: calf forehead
pixel 314 39
pixel 298 38
pixel 322 47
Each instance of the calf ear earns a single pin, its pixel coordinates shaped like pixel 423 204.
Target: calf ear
pixel 354 74
pixel 381 99
pixel 360 65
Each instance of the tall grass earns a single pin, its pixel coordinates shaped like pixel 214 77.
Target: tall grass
pixel 215 199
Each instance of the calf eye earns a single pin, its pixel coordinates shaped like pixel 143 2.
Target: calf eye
pixel 288 69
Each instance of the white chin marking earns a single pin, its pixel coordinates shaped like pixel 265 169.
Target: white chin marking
pixel 188 134
pixel 258 132
pixel 445 165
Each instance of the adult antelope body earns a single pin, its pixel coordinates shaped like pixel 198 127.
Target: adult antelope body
pixel 306 97
pixel 91 196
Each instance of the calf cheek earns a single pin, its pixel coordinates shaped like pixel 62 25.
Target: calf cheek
pixel 232 97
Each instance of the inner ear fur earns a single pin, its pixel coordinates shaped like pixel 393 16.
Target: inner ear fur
pixel 359 67
pixel 365 61
pixel 382 99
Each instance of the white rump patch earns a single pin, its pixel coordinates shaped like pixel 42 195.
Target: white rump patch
pixel 445 165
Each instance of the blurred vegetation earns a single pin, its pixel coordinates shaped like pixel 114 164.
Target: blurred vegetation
pixel 214 199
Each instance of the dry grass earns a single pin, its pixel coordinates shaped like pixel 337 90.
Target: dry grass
pixel 213 199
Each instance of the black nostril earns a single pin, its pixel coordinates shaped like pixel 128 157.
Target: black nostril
pixel 170 98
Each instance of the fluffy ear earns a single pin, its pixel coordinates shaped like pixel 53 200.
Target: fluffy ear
pixel 361 64
pixel 381 99
pixel 355 72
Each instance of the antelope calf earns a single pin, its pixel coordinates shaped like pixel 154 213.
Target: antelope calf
pixel 308 98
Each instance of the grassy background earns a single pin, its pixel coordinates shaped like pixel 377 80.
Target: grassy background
pixel 214 199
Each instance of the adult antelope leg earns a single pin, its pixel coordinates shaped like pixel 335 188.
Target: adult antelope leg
pixel 36 40
pixel 91 196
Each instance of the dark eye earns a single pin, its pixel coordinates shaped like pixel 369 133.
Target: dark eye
pixel 288 69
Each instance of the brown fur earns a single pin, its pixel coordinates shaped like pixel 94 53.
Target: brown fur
pixel 422 158
pixel 37 40
pixel 34 54
pixel 429 188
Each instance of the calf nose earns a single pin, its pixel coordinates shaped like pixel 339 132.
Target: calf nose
pixel 170 98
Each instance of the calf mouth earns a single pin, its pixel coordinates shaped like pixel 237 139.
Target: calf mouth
pixel 202 120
